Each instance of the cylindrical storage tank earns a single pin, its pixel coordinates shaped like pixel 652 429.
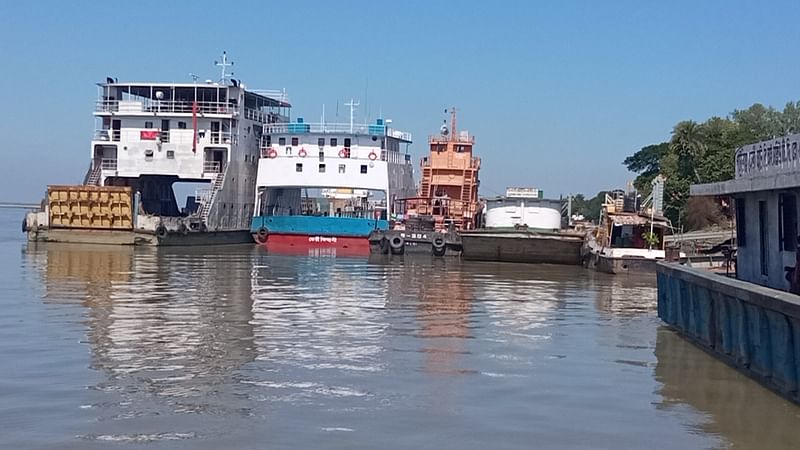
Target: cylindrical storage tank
pixel 535 217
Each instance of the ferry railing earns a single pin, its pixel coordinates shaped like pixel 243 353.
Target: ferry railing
pixel 212 167
pixel 108 164
pixel 440 139
pixel 202 195
pixel 107 135
pixel 332 127
pixel 222 137
pixel 165 106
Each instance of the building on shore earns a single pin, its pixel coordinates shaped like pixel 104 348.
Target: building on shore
pixel 750 320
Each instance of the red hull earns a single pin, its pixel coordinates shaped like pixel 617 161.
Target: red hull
pixel 298 244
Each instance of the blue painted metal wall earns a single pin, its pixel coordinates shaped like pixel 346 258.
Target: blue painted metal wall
pixel 754 328
pixel 318 225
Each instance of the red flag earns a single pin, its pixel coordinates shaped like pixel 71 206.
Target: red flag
pixel 148 135
pixel 194 126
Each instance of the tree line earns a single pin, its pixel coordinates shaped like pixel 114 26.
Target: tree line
pixel 698 152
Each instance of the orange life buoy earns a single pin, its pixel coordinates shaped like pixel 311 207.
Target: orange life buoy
pixel 373 156
pixel 272 153
pixel 302 153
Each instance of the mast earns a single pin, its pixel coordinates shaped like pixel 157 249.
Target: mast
pixel 352 106
pixel 453 124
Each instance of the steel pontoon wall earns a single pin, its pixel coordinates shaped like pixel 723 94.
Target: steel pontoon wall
pixel 753 328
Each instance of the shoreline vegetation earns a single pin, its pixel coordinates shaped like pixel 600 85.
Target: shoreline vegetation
pixel 699 152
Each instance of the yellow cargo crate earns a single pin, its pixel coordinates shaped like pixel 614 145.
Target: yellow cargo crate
pixel 90 207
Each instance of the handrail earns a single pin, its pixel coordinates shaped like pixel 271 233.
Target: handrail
pixel 212 167
pixel 108 164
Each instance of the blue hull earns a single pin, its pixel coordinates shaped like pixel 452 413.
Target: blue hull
pixel 318 225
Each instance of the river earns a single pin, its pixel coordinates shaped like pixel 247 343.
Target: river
pixel 112 347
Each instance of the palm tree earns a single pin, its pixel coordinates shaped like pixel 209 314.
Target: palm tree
pixel 688 142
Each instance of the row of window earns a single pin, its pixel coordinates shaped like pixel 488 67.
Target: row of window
pixel 342 168
pixel 165 125
pixel 295 141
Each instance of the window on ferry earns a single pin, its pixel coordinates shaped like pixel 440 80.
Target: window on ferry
pixel 181 125
pixel 322 168
pixel 281 141
pixel 148 124
pixel 787 220
pixel 321 142
pixel 295 142
pixel 763 237
pixel 333 142
pixel 347 142
pixel 321 156
pixel 341 168
pixel 741 232
pixel 170 154
pixel 268 140
pixel 298 167
pixel 363 168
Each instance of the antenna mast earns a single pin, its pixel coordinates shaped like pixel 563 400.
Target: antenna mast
pixel 352 106
pixel 453 123
pixel 223 63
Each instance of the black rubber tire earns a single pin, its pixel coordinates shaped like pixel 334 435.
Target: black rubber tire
pixel 439 245
pixel 24 224
pixel 261 235
pixel 184 230
pixel 161 231
pixel 397 245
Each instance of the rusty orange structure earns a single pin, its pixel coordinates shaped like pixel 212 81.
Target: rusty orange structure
pixel 449 182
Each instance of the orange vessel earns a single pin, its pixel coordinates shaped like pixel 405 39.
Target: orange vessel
pixel 448 192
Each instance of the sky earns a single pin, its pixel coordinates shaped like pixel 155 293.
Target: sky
pixel 557 94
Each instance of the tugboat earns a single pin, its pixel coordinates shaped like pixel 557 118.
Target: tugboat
pixel 447 201
pixel 323 187
pixel 630 237
pixel 151 136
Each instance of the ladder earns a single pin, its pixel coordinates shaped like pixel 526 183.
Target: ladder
pixel 93 176
pixel 205 207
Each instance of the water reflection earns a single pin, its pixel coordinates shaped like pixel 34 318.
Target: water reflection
pixel 739 410
pixel 166 328
pixel 626 295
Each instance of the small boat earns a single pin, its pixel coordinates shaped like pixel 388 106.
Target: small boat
pixel 629 238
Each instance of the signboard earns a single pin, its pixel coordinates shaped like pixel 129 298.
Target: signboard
pixel 148 135
pixel 523 192
pixel 779 155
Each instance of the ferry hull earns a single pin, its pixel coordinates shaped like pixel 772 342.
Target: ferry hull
pixel 522 247
pixel 126 237
pixel 299 244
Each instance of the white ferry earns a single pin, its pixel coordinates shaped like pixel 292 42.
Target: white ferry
pixel 328 185
pixel 150 137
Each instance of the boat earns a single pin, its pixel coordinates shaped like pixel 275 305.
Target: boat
pixel 522 227
pixel 629 237
pixel 445 204
pixel 328 185
pixel 153 139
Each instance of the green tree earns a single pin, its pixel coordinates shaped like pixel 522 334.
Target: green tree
pixel 688 143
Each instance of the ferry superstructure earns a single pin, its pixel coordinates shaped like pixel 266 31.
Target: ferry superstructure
pixel 327 185
pixel 150 136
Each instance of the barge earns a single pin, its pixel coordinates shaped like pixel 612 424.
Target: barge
pixel 522 227
pixel 150 138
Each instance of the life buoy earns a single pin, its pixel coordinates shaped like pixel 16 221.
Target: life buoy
pixel 272 153
pixel 373 156
pixel 302 153
pixel 261 235
pixel 397 244
pixel 161 231
pixel 342 153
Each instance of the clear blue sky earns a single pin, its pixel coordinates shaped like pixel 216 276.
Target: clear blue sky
pixel 557 93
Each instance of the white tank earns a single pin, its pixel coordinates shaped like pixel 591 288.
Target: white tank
pixel 540 215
